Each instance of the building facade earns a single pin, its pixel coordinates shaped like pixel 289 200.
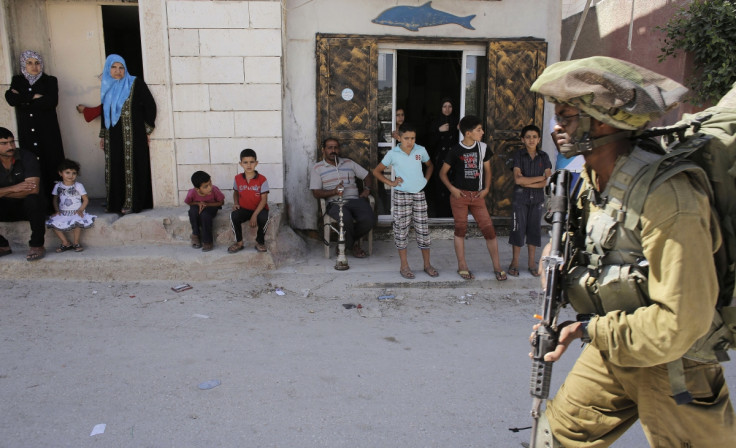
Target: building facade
pixel 279 76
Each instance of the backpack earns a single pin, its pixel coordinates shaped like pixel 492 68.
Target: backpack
pixel 704 146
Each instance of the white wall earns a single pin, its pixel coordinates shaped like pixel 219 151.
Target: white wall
pixel 305 18
pixel 226 89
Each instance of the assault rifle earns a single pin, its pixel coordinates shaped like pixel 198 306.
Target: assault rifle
pixel 545 337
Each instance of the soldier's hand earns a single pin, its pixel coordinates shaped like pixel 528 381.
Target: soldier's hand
pixel 569 331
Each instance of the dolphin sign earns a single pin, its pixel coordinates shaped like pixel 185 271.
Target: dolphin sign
pixel 414 17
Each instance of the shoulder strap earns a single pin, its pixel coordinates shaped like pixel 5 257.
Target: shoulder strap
pixel 663 168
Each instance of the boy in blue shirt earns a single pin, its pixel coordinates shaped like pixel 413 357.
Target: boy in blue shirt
pixel 408 203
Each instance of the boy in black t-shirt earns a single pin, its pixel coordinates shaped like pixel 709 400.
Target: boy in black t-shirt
pixel 470 162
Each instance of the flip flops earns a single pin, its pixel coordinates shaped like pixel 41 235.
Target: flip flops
pixel 465 274
pixel 500 275
pixel 534 271
pixel 78 248
pixel 406 273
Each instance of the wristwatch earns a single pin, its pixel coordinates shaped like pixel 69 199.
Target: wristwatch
pixel 584 320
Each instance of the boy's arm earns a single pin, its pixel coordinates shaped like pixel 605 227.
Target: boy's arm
pixel 430 168
pixel 487 178
pixel 446 180
pixel 236 202
pixel 378 174
pixel 530 182
pixel 253 221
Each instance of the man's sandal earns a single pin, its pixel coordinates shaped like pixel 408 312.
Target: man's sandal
pixel 513 271
pixel 465 274
pixel 78 248
pixel 500 275
pixel 63 248
pixel 261 248
pixel 534 271
pixel 406 273
pixel 235 248
pixel 36 253
pixel 358 252
pixel 431 271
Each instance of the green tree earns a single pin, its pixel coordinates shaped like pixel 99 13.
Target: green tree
pixel 707 30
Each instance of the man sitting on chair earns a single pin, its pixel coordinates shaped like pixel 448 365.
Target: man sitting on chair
pixel 329 174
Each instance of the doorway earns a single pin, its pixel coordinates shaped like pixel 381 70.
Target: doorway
pixel 122 31
pixel 81 35
pixel 359 88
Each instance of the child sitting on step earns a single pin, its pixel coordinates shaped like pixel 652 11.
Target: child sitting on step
pixel 70 202
pixel 204 200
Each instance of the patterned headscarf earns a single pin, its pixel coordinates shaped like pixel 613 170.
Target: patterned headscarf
pixel 114 92
pixel 23 58
pixel 615 92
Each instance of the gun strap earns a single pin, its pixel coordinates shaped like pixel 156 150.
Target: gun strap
pixel 676 372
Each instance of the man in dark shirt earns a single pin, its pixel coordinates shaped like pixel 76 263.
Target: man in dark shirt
pixel 20 178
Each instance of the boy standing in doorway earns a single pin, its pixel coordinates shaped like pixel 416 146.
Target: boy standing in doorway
pixel 408 201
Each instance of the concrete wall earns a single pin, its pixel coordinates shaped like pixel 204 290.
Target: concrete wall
pixel 606 32
pixel 305 18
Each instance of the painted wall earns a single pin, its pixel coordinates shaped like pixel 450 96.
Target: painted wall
pixel 305 18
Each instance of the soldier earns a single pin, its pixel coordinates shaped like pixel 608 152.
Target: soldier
pixel 652 286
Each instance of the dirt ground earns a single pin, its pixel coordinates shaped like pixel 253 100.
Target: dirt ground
pixel 436 366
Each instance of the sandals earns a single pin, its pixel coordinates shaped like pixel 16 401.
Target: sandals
pixel 63 248
pixel 358 252
pixel 513 271
pixel 5 250
pixel 206 247
pixel 431 271
pixel 36 253
pixel 500 275
pixel 237 247
pixel 196 243
pixel 78 248
pixel 466 274
pixel 406 273
pixel 534 271
pixel 260 247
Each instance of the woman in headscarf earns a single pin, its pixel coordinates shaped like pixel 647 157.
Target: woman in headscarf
pixel 128 118
pixel 444 135
pixel 34 95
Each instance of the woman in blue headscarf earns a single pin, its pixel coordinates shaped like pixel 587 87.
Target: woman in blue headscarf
pixel 128 118
pixel 35 95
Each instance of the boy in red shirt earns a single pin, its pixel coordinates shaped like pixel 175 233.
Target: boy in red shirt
pixel 250 197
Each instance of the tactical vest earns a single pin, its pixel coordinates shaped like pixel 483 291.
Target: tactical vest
pixel 608 270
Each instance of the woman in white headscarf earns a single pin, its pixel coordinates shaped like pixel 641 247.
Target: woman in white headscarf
pixel 128 118
pixel 34 95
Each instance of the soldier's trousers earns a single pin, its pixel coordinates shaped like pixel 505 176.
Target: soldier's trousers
pixel 599 401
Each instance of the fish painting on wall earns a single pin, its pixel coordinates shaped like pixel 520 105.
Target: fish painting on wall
pixel 414 17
